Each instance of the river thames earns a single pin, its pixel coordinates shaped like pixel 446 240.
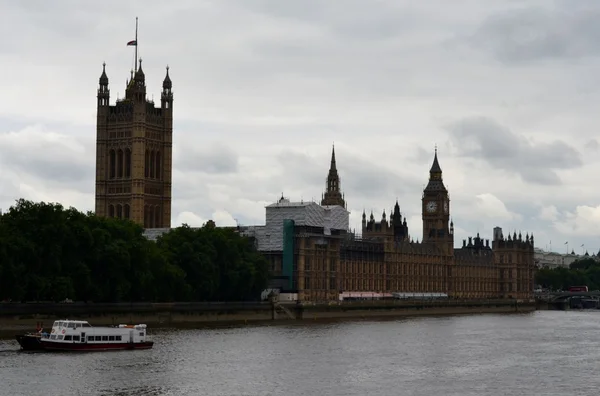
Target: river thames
pixel 540 353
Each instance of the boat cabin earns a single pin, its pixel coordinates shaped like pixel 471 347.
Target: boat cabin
pixel 81 331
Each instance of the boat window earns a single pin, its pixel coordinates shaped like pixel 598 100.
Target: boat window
pixel 90 338
pixel 98 338
pixel 71 325
pixel 68 338
pixel 53 337
pixel 78 325
pixel 141 333
pixel 75 338
pixel 104 338
pixel 111 338
pixel 118 338
pixel 60 337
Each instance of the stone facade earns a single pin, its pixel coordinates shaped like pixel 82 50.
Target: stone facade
pixel 134 153
pixel 385 260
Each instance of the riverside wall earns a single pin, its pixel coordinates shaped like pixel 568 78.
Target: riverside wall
pixel 21 317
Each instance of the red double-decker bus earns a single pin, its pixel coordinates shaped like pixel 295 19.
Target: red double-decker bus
pixel 578 288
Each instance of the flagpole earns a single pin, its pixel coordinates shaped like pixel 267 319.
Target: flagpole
pixel 136 43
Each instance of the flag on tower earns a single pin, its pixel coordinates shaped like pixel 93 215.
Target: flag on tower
pixel 132 42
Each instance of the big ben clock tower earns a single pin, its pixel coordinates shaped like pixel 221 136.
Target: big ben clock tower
pixel 436 210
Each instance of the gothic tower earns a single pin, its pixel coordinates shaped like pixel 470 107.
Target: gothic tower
pixel 133 153
pixel 436 210
pixel 333 194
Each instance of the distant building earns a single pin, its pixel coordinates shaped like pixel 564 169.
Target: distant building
pixel 552 260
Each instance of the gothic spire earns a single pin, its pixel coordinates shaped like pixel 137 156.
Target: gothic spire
pixel 332 167
pixel 435 176
pixel 333 194
pixel 435 167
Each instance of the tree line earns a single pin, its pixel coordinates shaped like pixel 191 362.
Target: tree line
pixel 582 272
pixel 49 253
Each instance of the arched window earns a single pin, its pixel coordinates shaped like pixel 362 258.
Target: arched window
pixel 119 211
pixel 111 210
pixel 127 162
pixel 158 167
pixel 157 222
pixel 152 163
pixel 112 164
pixel 126 210
pixel 147 165
pixel 148 216
pixel 120 163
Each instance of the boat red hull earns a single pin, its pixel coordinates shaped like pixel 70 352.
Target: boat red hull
pixel 95 347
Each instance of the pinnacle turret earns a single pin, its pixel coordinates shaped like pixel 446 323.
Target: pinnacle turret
pixel 167 84
pixel 104 77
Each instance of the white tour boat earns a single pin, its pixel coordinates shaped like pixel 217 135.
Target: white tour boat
pixel 79 335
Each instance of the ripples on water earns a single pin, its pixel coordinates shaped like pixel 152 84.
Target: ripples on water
pixel 544 353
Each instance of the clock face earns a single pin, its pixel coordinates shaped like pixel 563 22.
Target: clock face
pixel 431 206
pixel 445 206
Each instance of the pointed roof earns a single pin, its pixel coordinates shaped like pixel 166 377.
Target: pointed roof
pixel 167 81
pixel 104 77
pixel 139 74
pixel 332 167
pixel 435 167
pixel 435 177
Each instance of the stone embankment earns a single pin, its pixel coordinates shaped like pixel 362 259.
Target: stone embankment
pixel 19 317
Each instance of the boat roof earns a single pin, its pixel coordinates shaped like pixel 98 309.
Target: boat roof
pixel 71 321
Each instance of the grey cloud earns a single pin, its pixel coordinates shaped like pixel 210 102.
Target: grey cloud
pixel 348 20
pixel 538 33
pixel 214 158
pixel 259 75
pixel 361 179
pixel 54 161
pixel 592 145
pixel 422 156
pixel 489 141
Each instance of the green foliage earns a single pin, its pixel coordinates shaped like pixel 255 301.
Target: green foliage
pixel 49 253
pixel 583 272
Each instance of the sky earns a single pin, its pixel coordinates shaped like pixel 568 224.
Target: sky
pixel 508 91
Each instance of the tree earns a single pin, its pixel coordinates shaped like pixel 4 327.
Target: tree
pixel 48 252
pixel 584 263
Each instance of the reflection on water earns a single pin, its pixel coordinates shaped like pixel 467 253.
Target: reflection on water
pixel 547 352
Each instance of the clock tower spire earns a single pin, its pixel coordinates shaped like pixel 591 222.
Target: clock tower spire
pixel 436 210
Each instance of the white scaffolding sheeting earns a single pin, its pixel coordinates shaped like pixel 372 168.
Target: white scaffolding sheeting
pixel 153 233
pixel 270 236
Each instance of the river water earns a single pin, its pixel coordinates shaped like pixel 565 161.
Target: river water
pixel 541 353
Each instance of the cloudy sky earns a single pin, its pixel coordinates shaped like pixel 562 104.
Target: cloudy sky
pixel 508 90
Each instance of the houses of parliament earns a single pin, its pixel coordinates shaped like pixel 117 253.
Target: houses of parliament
pixel 309 245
